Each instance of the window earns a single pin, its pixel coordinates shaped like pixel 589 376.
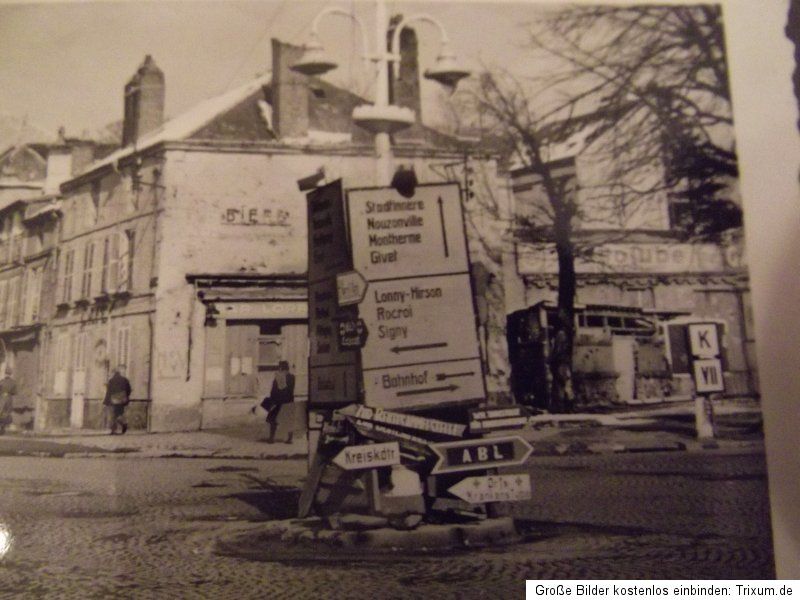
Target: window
pixel 120 264
pixel 31 295
pixel 127 243
pixel 105 270
pixel 88 259
pixel 269 351
pixel 65 296
pixel 17 238
pixel 123 348
pixel 94 208
pixel 595 321
pixel 61 362
pixel 81 343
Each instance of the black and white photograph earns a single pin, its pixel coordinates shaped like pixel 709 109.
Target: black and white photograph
pixel 394 299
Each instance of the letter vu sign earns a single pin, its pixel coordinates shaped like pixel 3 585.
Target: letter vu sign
pixel 422 348
pixel 706 364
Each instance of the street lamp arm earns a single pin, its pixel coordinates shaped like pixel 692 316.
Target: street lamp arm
pixel 395 47
pixel 335 10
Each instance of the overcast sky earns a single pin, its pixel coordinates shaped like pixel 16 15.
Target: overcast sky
pixel 66 63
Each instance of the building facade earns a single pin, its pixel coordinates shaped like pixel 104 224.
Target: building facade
pixel 635 274
pixel 29 235
pixel 183 255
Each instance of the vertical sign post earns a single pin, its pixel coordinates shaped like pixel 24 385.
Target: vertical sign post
pixel 706 368
pixel 333 370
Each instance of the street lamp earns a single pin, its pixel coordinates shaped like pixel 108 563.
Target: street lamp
pixel 381 117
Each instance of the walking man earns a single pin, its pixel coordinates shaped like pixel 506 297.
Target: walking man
pixel 8 390
pixel 118 396
pixel 282 393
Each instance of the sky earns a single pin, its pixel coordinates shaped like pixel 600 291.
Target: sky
pixel 65 64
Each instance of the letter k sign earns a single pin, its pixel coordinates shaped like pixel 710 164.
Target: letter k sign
pixel 703 340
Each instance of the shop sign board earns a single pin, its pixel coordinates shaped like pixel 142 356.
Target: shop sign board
pixel 485 453
pixel 423 347
pixel 368 456
pixel 493 488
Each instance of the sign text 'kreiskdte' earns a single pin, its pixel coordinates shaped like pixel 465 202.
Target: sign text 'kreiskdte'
pixel 422 348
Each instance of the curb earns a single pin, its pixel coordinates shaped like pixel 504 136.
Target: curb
pixel 578 448
pixel 307 539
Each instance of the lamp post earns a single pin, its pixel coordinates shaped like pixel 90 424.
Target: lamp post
pixel 381 117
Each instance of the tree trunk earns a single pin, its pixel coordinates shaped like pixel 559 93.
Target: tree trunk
pixel 562 395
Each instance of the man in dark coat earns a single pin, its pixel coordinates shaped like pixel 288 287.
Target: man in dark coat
pixel 118 396
pixel 282 393
pixel 8 390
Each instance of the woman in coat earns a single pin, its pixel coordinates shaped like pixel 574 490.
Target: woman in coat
pixel 282 393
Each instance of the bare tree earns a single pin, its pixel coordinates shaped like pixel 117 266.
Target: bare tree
pixel 646 87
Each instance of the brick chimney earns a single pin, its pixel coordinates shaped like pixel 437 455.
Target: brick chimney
pixel 404 86
pixel 289 92
pixel 144 102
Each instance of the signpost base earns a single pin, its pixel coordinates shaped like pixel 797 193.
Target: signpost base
pixel 704 417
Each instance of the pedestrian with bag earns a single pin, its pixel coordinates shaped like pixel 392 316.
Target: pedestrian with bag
pixel 8 390
pixel 118 396
pixel 281 393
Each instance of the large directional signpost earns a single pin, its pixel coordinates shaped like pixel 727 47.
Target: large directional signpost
pixel 422 348
pixel 392 331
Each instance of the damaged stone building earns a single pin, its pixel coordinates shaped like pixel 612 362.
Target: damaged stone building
pixel 182 255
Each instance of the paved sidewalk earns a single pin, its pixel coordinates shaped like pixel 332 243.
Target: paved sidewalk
pixel 655 428
pixel 247 441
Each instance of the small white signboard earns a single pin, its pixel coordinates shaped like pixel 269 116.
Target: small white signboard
pixel 368 456
pixel 703 340
pixel 350 288
pixel 493 488
pixel 708 375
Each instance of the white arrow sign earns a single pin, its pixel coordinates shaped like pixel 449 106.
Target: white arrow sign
pixel 368 456
pixel 493 488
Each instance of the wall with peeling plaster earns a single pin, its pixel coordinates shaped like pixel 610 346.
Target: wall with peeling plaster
pixel 241 212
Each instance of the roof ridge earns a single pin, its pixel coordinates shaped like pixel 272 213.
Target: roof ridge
pixel 184 124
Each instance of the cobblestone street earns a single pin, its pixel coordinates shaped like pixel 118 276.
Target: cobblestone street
pixel 106 528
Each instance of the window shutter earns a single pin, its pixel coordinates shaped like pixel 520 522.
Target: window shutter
pixel 104 271
pixel 125 260
pixel 113 263
pixel 86 279
pixel 36 294
pixel 69 263
pixel 25 282
pixel 13 293
pixel 3 300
